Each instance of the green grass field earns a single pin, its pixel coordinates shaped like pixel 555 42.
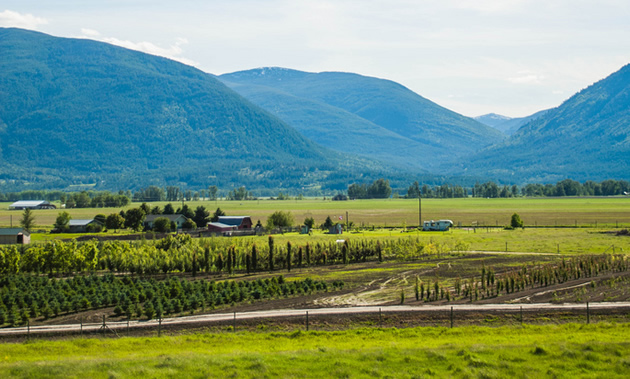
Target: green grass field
pixel 605 211
pixel 565 351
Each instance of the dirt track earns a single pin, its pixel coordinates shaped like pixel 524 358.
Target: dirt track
pixel 344 312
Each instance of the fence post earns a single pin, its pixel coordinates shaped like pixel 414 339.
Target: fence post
pixel 588 314
pixel 104 326
pixel 380 318
pixel 451 317
pixel 506 249
pixel 160 327
pixel 81 328
pixel 28 328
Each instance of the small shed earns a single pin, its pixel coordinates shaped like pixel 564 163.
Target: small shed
pixel 10 236
pixel 32 204
pixel 336 229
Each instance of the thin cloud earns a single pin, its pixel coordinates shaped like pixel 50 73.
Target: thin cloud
pixel 173 52
pixel 13 19
pixel 526 77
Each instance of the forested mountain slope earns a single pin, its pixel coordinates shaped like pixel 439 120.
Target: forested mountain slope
pixel 586 138
pixel 81 111
pixel 365 115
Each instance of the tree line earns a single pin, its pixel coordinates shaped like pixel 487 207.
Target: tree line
pixel 491 189
pixel 181 253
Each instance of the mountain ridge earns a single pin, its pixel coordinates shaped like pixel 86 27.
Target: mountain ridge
pixel 87 111
pixel 437 132
pixel 586 138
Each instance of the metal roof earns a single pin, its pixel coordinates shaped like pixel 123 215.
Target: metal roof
pixel 12 231
pixel 220 225
pixel 80 222
pixel 29 203
pixel 151 218
pixel 232 220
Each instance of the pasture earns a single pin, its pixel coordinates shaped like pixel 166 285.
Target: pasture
pixel 568 350
pixel 580 211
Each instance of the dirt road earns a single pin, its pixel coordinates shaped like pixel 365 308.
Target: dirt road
pixel 280 313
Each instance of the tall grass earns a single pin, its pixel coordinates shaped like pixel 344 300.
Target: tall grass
pixel 568 350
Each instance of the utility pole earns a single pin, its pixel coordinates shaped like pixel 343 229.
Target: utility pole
pixel 419 211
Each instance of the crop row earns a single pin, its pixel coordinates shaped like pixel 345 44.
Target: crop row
pixel 489 284
pixel 26 296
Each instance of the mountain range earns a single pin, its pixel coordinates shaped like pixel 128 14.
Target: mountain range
pixel 77 112
pixel 508 125
pixel 586 138
pixel 365 116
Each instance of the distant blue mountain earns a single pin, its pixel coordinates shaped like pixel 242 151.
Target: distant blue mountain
pixel 365 116
pixel 585 138
pixel 506 124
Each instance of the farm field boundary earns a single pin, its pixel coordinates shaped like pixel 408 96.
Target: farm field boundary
pixel 568 311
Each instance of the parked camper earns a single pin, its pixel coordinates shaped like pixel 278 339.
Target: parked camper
pixel 439 226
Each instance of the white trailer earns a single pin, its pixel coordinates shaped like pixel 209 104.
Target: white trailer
pixel 439 225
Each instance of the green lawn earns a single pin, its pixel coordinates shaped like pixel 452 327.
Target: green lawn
pixel 565 351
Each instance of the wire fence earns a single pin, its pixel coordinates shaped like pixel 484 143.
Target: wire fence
pixel 331 319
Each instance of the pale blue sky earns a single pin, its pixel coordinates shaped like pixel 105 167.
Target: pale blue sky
pixel 474 57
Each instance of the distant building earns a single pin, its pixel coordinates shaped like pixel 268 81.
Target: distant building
pixel 32 204
pixel 227 224
pixel 241 222
pixel 80 226
pixel 178 219
pixel 10 236
pixel 336 229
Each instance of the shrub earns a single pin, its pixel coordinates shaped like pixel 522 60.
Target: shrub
pixel 280 219
pixel 516 221
pixel 161 225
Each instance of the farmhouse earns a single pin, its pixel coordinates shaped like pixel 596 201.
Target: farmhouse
pixel 81 226
pixel 32 204
pixel 177 219
pixel 9 236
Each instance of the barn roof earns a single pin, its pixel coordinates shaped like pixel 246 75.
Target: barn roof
pixel 232 220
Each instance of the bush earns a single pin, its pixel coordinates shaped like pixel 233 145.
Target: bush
pixel 189 224
pixel 280 219
pixel 516 221
pixel 162 225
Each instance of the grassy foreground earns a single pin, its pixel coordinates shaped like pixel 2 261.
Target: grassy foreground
pixel 569 350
